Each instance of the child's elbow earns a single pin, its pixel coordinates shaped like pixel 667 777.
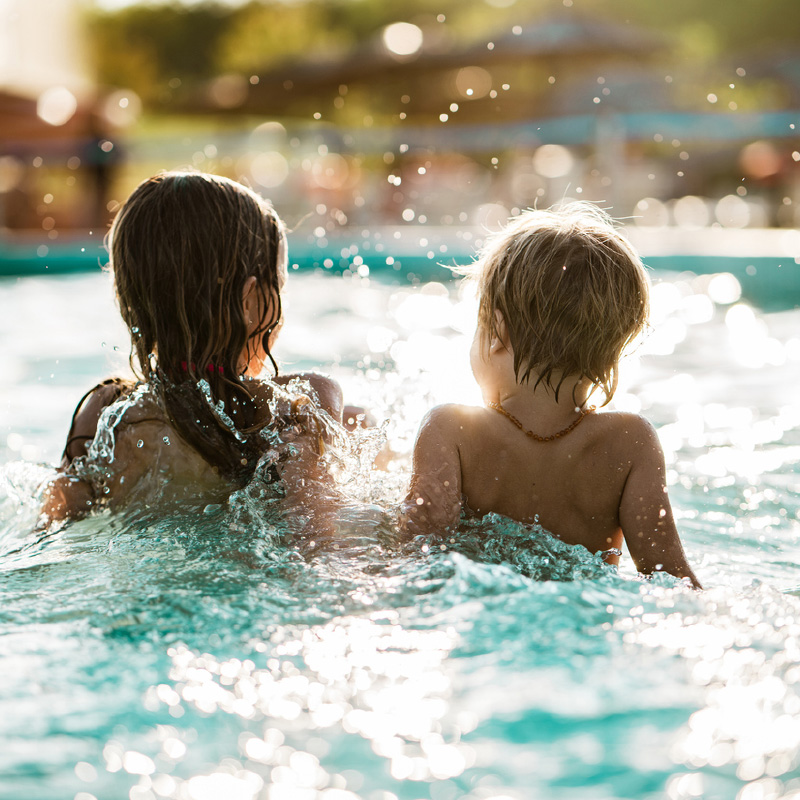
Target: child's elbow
pixel 329 394
pixel 66 497
pixel 414 520
pixel 421 514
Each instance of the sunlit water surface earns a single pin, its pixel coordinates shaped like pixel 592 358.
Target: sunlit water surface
pixel 215 656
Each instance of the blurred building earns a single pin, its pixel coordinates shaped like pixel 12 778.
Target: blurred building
pixel 408 126
pixel 554 106
pixel 56 148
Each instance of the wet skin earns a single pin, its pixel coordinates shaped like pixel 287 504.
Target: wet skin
pixel 600 483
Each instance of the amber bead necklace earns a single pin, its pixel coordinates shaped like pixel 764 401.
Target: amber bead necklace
pixel 571 427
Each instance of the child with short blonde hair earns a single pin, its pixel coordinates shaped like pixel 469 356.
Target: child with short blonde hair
pixel 561 295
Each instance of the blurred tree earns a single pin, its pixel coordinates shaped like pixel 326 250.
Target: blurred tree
pixel 145 47
pixel 258 36
pixel 155 48
pixel 728 28
pixel 261 34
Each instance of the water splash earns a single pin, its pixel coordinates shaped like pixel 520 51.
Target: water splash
pixel 21 485
pixel 528 549
pixel 218 410
pixel 102 447
pixel 209 654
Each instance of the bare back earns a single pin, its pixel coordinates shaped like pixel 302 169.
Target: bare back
pixel 602 481
pixel 573 486
pixel 134 454
pixel 123 449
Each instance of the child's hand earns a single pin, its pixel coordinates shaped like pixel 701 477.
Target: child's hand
pixel 328 392
pixel 305 413
pixel 357 417
pixel 66 497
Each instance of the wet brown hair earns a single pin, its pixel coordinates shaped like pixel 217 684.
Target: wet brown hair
pixel 572 291
pixel 182 247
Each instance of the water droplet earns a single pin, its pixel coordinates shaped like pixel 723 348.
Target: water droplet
pixel 140 443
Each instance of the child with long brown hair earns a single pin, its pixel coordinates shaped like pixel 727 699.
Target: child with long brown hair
pixel 199 262
pixel 561 295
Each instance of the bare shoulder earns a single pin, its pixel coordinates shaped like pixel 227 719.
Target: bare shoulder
pixel 624 422
pixel 451 417
pixel 87 415
pixel 328 391
pixel 153 463
pixel 620 441
pixel 445 431
pixel 323 385
pixel 442 432
pixel 625 430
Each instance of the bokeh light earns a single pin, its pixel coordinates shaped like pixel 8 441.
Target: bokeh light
pixel 651 211
pixel 691 212
pixel 473 83
pixel 269 169
pixel 732 211
pixel 760 159
pixel 402 38
pixel 552 160
pixel 57 105
pixel 122 108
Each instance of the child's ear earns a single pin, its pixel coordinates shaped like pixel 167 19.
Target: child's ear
pixel 499 340
pixel 253 300
pixel 250 302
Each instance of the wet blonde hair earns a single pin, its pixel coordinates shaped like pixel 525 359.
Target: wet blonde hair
pixel 572 292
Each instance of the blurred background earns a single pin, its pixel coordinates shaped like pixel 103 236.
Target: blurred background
pixel 359 118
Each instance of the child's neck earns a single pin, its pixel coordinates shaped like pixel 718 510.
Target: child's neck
pixel 529 399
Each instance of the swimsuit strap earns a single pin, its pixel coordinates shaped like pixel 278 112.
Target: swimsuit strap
pixel 119 388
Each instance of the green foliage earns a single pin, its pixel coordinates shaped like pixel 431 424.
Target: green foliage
pixel 259 36
pixel 730 26
pixel 145 47
pixel 151 47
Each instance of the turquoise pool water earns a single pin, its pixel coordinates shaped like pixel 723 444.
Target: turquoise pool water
pixel 219 656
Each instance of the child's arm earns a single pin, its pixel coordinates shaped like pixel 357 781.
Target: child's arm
pixel 67 496
pixel 433 502
pixel 645 513
pixel 331 400
pixel 87 415
pixel 328 390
